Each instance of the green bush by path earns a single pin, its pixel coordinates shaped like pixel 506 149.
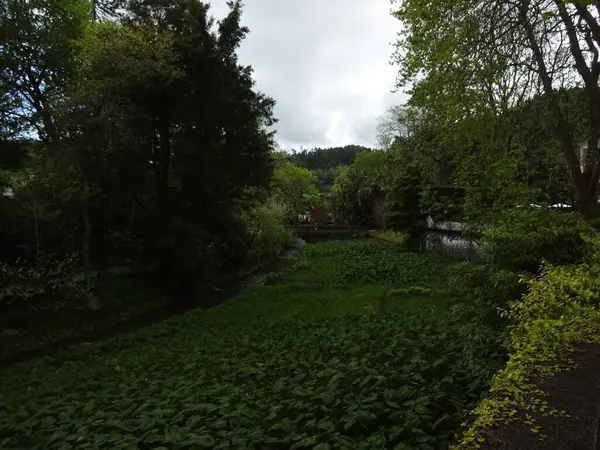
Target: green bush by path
pixel 526 236
pixel 298 364
pixel 558 313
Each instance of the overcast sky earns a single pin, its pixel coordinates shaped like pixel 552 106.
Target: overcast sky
pixel 326 64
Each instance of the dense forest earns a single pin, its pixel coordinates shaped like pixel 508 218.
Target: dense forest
pixel 327 158
pixel 119 139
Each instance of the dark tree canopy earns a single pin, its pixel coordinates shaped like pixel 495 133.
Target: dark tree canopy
pixel 327 158
pixel 152 138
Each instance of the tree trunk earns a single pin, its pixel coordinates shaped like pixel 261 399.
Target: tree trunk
pixel 586 198
pixel 85 247
pixel 132 217
pixel 37 234
pixel 164 157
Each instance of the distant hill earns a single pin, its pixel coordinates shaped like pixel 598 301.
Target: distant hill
pixel 327 158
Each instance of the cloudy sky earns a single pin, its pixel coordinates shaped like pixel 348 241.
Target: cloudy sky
pixel 325 62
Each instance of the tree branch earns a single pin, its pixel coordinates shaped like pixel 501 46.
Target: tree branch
pixel 580 63
pixel 563 128
pixel 589 19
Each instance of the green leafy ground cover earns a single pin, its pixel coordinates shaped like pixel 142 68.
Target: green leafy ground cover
pixel 122 298
pixel 306 362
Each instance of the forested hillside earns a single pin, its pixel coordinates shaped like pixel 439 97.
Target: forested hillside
pixel 327 158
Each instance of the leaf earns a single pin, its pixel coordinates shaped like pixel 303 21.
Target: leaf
pixel 326 425
pixel 421 410
pixel 389 395
pixel 322 446
pixel 193 420
pixel 205 441
pixel 346 442
pixel 306 442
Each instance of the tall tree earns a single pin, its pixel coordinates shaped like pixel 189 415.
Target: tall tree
pixel 37 57
pixel 471 58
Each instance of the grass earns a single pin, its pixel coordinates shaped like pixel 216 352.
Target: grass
pixel 391 236
pixel 308 361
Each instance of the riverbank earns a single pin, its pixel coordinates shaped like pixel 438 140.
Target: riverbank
pixel 357 345
pixel 129 303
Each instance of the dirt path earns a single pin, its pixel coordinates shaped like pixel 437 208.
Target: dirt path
pixel 575 391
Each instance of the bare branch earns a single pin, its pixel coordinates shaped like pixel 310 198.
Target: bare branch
pixel 591 21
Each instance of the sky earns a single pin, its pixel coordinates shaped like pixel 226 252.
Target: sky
pixel 325 62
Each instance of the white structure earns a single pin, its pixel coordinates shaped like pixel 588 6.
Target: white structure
pixel 584 153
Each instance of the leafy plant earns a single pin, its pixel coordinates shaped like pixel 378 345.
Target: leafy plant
pixel 293 365
pixel 559 312
pixel 50 284
pixel 525 237
pixel 268 236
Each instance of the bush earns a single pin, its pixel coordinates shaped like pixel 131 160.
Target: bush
pixel 48 285
pixel 488 288
pixel 559 312
pixel 525 237
pixel 594 223
pixel 486 282
pixel 268 234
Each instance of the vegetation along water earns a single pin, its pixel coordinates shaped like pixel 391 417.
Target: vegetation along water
pixel 360 345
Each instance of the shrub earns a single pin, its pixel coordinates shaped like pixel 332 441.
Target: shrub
pixel 594 223
pixel 48 285
pixel 525 237
pixel 486 282
pixel 488 288
pixel 268 234
pixel 559 311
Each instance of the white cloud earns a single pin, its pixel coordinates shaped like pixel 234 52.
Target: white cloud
pixel 326 64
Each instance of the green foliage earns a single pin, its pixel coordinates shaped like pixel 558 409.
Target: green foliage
pixel 559 312
pixel 147 147
pixel 325 178
pixel 594 223
pixel 327 158
pixel 295 365
pixel 37 58
pixel 119 299
pixel 488 288
pixel 403 184
pixel 365 263
pixel 268 235
pixel 466 73
pixel 48 285
pixel 525 237
pixel 356 190
pixel 294 186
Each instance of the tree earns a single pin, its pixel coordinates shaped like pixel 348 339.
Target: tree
pixel 326 158
pixel 151 134
pixel 399 122
pixel 37 57
pixel 357 189
pixel 402 183
pixel 466 63
pixel 293 186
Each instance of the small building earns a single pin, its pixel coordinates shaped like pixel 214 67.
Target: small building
pixel 318 214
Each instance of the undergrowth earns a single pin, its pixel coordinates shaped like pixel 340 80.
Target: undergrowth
pixel 560 311
pixel 308 362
